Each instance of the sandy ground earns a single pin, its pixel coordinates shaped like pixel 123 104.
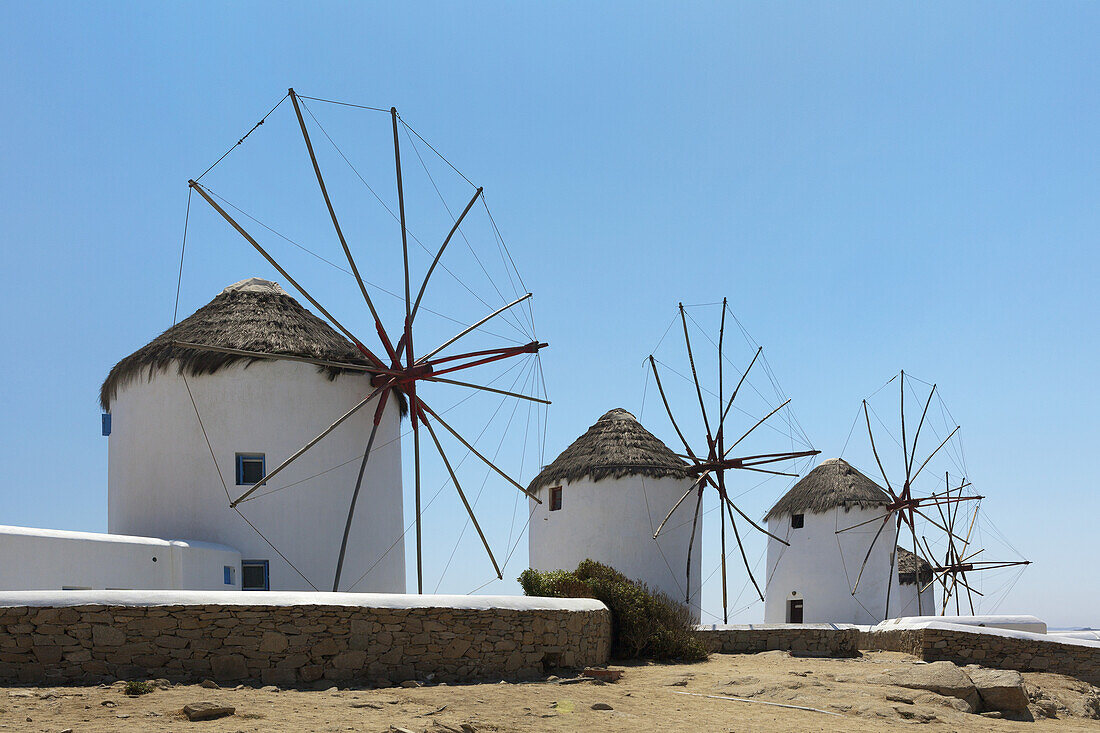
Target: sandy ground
pixel 644 699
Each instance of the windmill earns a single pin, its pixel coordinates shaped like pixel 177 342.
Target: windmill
pixel 715 455
pixel 958 557
pixel 904 506
pixel 396 367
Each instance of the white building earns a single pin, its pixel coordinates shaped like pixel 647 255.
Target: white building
pixel 605 496
pixel 812 579
pixel 905 602
pixel 173 411
pixel 52 559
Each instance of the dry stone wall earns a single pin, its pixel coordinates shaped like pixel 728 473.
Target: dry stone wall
pixel 290 645
pixel 989 650
pixel 821 641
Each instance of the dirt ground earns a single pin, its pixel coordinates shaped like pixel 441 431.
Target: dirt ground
pixel 644 699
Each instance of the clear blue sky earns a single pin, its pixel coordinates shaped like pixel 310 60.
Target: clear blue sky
pixel 874 187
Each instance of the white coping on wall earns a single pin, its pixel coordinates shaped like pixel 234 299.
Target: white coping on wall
pixel 139 598
pixel 916 623
pixel 67 534
pixel 776 627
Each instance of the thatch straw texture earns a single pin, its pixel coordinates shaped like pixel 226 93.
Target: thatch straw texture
pixel 616 446
pixel 907 568
pixel 834 483
pixel 252 315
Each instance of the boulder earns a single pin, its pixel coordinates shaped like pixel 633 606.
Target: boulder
pixel 943 678
pixel 207 711
pixel 1000 689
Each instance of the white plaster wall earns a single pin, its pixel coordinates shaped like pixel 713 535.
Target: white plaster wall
pixel 608 521
pixel 903 602
pixel 820 568
pixel 46 559
pixel 163 483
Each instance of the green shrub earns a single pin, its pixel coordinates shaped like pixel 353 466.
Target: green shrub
pixel 645 624
pixel 134 687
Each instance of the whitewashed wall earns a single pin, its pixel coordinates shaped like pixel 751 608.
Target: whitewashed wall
pixel 50 559
pixel 612 521
pixel 903 602
pixel 820 568
pixel 162 482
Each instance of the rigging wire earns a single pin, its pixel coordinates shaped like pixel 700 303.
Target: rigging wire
pixel 243 138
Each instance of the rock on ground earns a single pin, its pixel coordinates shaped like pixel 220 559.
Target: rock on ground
pixel 207 711
pixel 943 678
pixel 1000 689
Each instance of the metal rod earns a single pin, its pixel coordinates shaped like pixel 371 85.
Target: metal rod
pixel 467 330
pixel 355 494
pixel 473 450
pixel 461 494
pixel 233 504
pixel 225 215
pixel 336 223
pixel 439 254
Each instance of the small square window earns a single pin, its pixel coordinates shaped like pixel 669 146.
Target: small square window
pixel 254 575
pixel 798 521
pixel 555 498
pixel 250 468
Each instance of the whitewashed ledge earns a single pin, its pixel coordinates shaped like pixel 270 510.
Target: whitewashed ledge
pixel 142 598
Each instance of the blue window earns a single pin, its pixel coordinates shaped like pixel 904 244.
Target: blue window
pixel 254 575
pixel 229 573
pixel 106 424
pixel 250 468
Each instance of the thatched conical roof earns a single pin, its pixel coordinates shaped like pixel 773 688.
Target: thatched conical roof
pixel 616 446
pixel 834 483
pixel 907 568
pixel 252 315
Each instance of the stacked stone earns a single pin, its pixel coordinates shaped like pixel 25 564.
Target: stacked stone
pixel 803 639
pixel 295 644
pixel 989 650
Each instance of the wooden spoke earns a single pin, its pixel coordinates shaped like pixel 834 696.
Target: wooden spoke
pixel 755 526
pixel 695 377
pixel 358 485
pixel 741 547
pixel 867 557
pixel 486 389
pixel 941 445
pixel 664 400
pixel 883 518
pixel 758 424
pixel 256 245
pixel 904 444
pixel 739 383
pixel 871 435
pixel 916 436
pixel 691 543
pixel 336 225
pixel 461 494
pixel 676 506
pixel 890 579
pixel 469 329
pixel 419 536
pixel 439 254
pixel 404 232
pixel 473 450
pixel 311 443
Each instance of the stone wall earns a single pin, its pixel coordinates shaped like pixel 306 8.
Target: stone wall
pixel 990 650
pixel 297 644
pixel 808 639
